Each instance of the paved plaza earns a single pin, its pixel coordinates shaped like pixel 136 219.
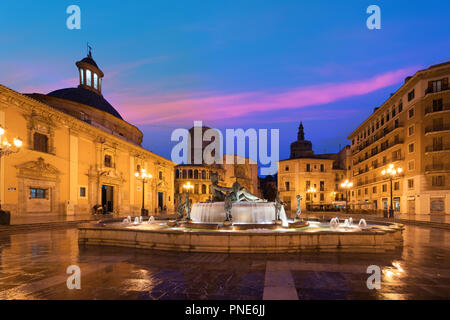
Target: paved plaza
pixel 33 266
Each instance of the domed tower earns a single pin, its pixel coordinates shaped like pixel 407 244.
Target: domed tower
pixel 90 74
pixel 87 103
pixel 301 148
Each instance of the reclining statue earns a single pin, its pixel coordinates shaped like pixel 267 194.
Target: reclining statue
pixel 237 192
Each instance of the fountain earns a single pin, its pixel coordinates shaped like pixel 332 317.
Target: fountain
pixel 334 223
pixel 235 221
pixel 348 223
pixel 362 224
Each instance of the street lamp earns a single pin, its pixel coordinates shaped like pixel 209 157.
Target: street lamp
pixel 347 185
pixel 144 176
pixel 6 149
pixel 188 186
pixel 311 191
pixel 391 171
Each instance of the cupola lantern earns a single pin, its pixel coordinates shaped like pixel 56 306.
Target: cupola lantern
pixel 90 74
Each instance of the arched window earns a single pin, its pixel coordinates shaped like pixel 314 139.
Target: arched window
pixel 195 174
pixel 184 174
pixel 95 81
pixel 88 77
pixel 203 174
pixel 190 174
pixel 196 189
pixel 177 174
pixel 160 175
pixel 82 76
pixel 203 188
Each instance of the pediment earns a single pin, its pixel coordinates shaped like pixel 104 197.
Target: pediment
pixel 38 168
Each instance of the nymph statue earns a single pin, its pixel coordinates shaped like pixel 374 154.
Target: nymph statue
pixel 180 207
pixel 278 205
pixel 228 204
pixel 299 210
pixel 187 207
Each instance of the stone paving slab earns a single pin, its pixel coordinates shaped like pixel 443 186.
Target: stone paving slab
pixel 33 266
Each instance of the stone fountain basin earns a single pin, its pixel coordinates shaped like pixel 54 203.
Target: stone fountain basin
pixel 378 238
pixel 242 212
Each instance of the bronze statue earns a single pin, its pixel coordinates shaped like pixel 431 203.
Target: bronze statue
pixel 180 207
pixel 228 204
pixel 238 193
pixel 299 210
pixel 278 205
pixel 187 207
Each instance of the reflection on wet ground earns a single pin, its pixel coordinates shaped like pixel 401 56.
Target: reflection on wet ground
pixel 33 266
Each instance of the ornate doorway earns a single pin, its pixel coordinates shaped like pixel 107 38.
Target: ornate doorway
pixel 108 198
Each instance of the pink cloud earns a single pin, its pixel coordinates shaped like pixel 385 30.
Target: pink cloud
pixel 211 106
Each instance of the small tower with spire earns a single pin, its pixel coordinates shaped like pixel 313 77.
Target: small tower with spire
pixel 301 148
pixel 90 74
pixel 301 132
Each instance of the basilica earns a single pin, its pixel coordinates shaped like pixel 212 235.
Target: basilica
pixel 78 153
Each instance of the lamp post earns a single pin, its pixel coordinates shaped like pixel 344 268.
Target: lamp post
pixel 391 171
pixel 347 185
pixel 311 191
pixel 188 186
pixel 6 149
pixel 144 176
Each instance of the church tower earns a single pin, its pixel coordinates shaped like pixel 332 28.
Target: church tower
pixel 301 148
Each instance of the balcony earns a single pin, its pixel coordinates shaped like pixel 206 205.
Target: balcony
pixel 435 109
pixel 437 167
pixel 437 148
pixel 383 148
pixel 380 135
pixel 439 128
pixel 432 90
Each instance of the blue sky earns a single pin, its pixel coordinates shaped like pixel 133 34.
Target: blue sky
pixel 257 63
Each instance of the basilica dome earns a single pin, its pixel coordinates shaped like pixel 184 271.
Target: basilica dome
pixel 87 97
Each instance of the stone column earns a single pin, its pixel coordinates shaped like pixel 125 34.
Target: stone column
pixel 132 181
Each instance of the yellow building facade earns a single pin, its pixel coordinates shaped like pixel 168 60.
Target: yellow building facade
pixel 316 178
pixel 411 131
pixel 78 152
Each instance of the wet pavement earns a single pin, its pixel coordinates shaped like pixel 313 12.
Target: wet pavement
pixel 33 266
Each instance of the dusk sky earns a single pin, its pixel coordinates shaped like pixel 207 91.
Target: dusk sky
pixel 231 64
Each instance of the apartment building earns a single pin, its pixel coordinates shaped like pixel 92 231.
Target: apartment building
pixel 411 131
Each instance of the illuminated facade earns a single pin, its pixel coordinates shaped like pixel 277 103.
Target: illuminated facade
pixel 316 178
pixel 241 170
pixel 78 152
pixel 411 130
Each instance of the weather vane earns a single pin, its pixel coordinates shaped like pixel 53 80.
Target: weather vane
pixel 89 49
